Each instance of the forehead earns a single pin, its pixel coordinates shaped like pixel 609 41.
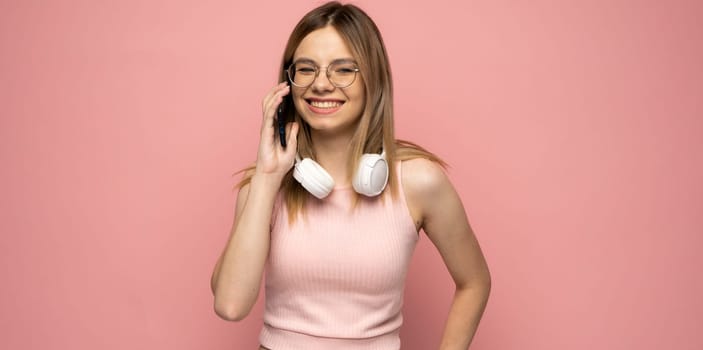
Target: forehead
pixel 323 46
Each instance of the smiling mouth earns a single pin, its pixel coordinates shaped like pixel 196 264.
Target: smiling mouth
pixel 325 104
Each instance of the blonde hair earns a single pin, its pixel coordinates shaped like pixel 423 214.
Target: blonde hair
pixel 375 129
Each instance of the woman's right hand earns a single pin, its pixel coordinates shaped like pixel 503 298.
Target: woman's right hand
pixel 272 158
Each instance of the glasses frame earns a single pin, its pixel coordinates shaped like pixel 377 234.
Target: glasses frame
pixel 317 73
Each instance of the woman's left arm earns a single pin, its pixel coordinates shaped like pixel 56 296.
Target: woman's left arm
pixel 445 223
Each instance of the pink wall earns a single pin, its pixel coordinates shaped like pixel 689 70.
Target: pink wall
pixel 573 128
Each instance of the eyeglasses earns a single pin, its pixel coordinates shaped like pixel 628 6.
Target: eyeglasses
pixel 340 74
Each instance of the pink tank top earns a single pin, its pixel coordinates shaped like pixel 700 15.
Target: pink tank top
pixel 336 280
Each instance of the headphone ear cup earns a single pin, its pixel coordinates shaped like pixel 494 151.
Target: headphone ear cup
pixel 372 176
pixel 313 178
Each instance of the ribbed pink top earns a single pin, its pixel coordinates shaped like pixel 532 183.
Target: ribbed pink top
pixel 336 280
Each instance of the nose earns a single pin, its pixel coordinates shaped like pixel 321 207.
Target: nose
pixel 322 81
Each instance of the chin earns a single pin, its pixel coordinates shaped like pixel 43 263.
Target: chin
pixel 332 128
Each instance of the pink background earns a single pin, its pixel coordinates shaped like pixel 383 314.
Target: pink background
pixel 573 129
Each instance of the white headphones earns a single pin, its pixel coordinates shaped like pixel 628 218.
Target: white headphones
pixel 370 179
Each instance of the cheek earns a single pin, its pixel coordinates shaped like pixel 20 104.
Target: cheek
pixel 358 94
pixel 298 101
pixel 296 93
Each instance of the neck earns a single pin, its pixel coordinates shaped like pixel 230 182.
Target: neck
pixel 332 152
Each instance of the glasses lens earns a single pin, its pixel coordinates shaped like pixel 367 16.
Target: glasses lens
pixel 302 74
pixel 342 74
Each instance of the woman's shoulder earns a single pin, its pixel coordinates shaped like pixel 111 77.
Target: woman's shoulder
pixel 421 177
pixel 421 170
pixel 421 180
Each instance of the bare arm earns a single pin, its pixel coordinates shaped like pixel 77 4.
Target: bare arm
pixel 445 223
pixel 237 275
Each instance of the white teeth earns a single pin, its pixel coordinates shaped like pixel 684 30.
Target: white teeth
pixel 325 104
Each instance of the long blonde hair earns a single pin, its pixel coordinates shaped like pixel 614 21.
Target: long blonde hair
pixel 375 129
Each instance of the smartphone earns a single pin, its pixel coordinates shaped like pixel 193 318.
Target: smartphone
pixel 281 119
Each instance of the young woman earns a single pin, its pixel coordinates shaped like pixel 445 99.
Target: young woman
pixel 333 217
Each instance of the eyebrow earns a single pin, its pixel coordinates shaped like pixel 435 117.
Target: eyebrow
pixel 338 60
